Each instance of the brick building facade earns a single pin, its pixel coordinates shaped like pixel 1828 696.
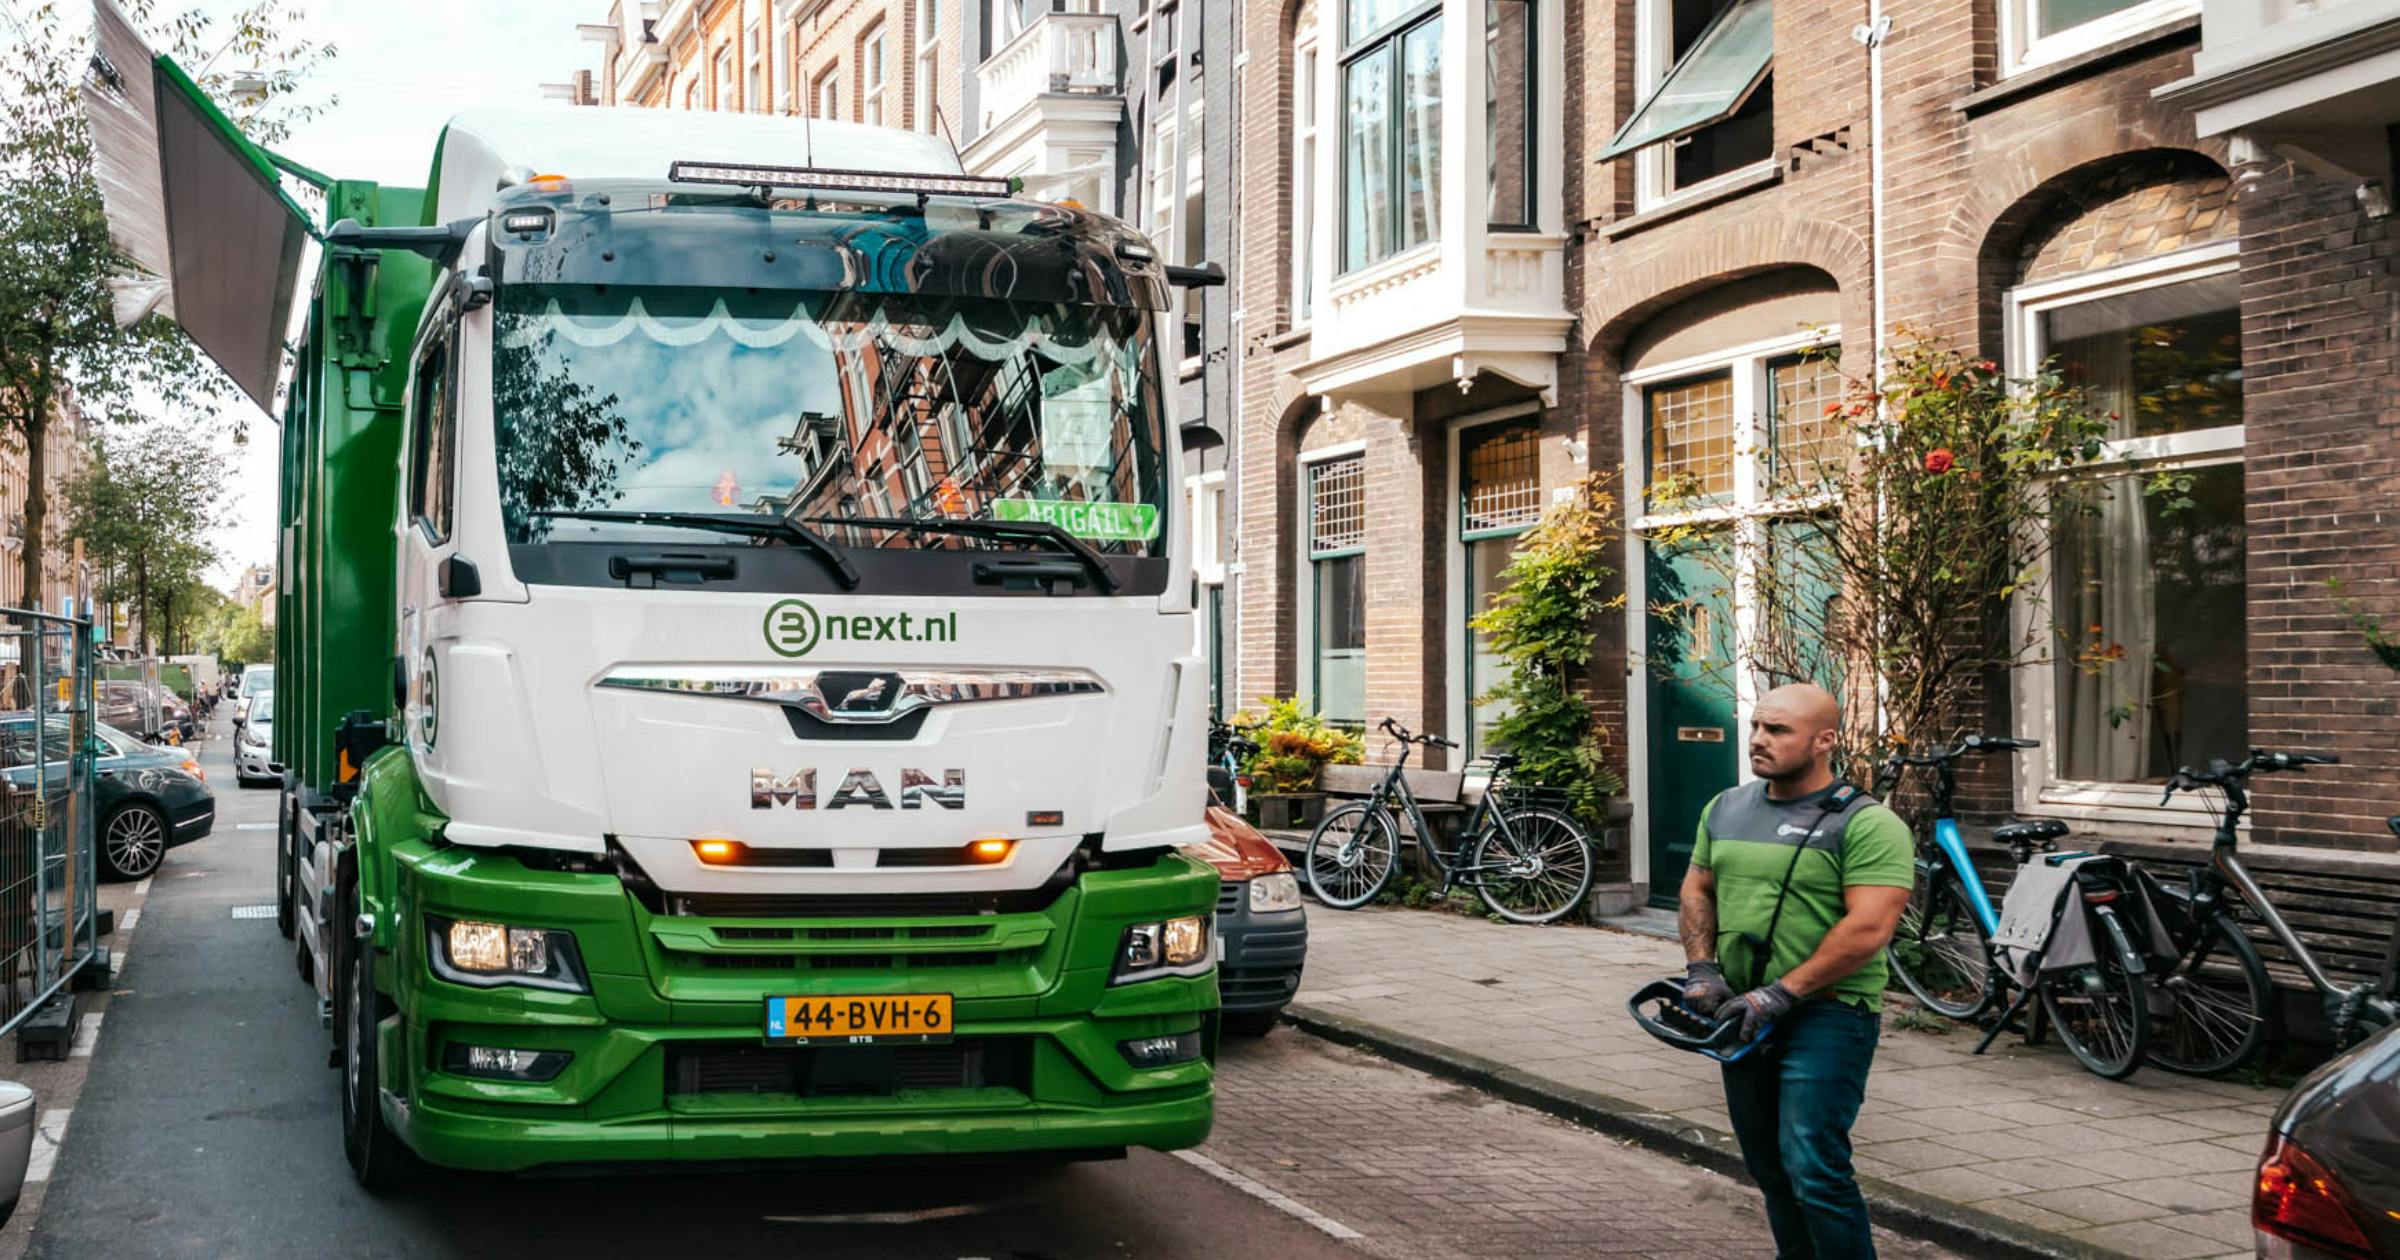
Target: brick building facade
pixel 889 62
pixel 2036 199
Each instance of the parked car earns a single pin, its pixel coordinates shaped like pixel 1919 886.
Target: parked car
pixel 1260 923
pixel 2328 1184
pixel 148 710
pixel 254 744
pixel 146 799
pixel 255 680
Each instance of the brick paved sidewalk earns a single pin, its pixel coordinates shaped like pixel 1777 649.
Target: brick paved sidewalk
pixel 2020 1143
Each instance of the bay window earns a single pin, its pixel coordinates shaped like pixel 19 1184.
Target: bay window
pixel 1391 128
pixel 1508 117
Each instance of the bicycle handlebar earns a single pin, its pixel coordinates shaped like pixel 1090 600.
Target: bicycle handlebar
pixel 1971 744
pixel 1393 728
pixel 2221 774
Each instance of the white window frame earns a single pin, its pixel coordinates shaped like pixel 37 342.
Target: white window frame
pixel 1747 365
pixel 828 93
pixel 1654 166
pixel 873 48
pixel 1308 70
pixel 2040 790
pixel 927 36
pixel 720 74
pixel 2021 48
pixel 1204 502
pixel 1454 620
pixel 1304 572
pixel 1160 222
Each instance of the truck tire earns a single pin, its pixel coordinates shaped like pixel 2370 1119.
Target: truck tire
pixel 379 1161
pixel 285 892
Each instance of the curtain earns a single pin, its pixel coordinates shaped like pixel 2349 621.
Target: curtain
pixel 2107 597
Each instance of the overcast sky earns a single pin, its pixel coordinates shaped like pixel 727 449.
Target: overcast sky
pixel 404 67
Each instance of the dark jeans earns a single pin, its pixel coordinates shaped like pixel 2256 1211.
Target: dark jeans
pixel 1791 1110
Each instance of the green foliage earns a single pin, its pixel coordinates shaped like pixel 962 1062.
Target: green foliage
pixel 238 636
pixel 144 507
pixel 1553 590
pixel 1293 745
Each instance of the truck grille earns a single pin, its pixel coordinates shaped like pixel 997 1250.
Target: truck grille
pixel 1229 896
pixel 862 962
pixel 848 1071
pixel 859 906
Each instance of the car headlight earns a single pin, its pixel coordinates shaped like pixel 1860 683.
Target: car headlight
pixel 1270 893
pixel 1174 947
pixel 487 955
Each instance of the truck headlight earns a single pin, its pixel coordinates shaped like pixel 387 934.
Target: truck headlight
pixel 1270 893
pixel 1174 947
pixel 487 955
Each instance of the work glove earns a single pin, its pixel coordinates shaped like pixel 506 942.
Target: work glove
pixel 1704 987
pixel 1760 1007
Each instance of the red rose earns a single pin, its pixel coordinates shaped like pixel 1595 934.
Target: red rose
pixel 1988 366
pixel 1939 460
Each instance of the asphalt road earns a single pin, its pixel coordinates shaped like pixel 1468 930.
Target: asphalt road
pixel 207 1126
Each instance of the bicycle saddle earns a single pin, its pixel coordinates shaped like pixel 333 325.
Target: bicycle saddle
pixel 2029 832
pixel 1504 760
pixel 1684 1028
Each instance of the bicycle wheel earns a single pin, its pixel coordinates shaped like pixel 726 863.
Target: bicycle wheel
pixel 2215 1010
pixel 2102 1013
pixel 1350 856
pixel 1939 953
pixel 1540 868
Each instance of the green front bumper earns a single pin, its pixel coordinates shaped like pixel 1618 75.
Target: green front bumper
pixel 668 1046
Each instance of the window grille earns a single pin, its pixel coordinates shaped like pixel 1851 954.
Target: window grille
pixel 1337 505
pixel 1691 435
pixel 1807 443
pixel 1503 480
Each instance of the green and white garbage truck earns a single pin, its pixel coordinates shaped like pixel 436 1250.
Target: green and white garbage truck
pixel 734 638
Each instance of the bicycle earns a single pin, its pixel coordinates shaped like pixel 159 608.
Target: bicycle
pixel 1228 747
pixel 2218 1008
pixel 1942 951
pixel 1528 862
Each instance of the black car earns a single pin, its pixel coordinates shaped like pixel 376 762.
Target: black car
pixel 146 799
pixel 2329 1183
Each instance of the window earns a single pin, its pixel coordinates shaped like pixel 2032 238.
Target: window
pixel 1709 109
pixel 1508 102
pixel 1161 166
pixel 870 76
pixel 1391 129
pixel 1691 438
pixel 921 107
pixel 432 441
pixel 1808 436
pixel 2146 587
pixel 1499 498
pixel 1304 176
pixel 720 87
pixel 1204 495
pixel 2037 32
pixel 1337 545
pixel 691 94
pixel 828 94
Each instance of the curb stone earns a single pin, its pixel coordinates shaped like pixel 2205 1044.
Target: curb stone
pixel 1957 1226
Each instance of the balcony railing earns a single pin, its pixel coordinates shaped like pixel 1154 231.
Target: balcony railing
pixel 1055 53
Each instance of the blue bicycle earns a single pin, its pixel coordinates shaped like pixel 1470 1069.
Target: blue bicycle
pixel 1942 951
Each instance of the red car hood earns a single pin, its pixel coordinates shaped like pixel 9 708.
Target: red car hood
pixel 1236 849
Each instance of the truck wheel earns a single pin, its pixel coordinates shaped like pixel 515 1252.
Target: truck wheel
pixel 133 841
pixel 1252 1023
pixel 284 884
pixel 378 1159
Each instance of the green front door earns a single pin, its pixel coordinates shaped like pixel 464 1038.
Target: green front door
pixel 1694 735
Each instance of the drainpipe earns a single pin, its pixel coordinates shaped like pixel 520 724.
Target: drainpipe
pixel 1872 33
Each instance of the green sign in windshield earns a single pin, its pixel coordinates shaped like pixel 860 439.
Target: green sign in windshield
pixel 1127 522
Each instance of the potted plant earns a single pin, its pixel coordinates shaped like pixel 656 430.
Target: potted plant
pixel 1293 746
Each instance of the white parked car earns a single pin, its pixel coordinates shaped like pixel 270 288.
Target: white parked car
pixel 254 743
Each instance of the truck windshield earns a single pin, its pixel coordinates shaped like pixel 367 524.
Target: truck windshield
pixel 817 405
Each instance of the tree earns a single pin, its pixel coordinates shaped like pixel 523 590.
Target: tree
pixel 237 635
pixel 143 509
pixel 59 336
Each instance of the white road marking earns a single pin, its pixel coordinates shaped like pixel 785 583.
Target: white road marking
pixel 142 889
pixel 48 1133
pixel 1269 1195
pixel 126 920
pixel 87 1035
pixel 265 826
pixel 266 911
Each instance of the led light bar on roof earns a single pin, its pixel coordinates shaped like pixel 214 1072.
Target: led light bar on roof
pixel 750 176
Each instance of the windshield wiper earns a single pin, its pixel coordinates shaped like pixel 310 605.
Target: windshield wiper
pixel 746 524
pixel 1038 531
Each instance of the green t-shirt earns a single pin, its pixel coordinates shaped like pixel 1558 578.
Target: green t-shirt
pixel 1747 839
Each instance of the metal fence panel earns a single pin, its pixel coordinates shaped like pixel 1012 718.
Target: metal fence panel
pixel 49 872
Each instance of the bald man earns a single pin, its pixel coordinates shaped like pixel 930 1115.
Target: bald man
pixel 1795 886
